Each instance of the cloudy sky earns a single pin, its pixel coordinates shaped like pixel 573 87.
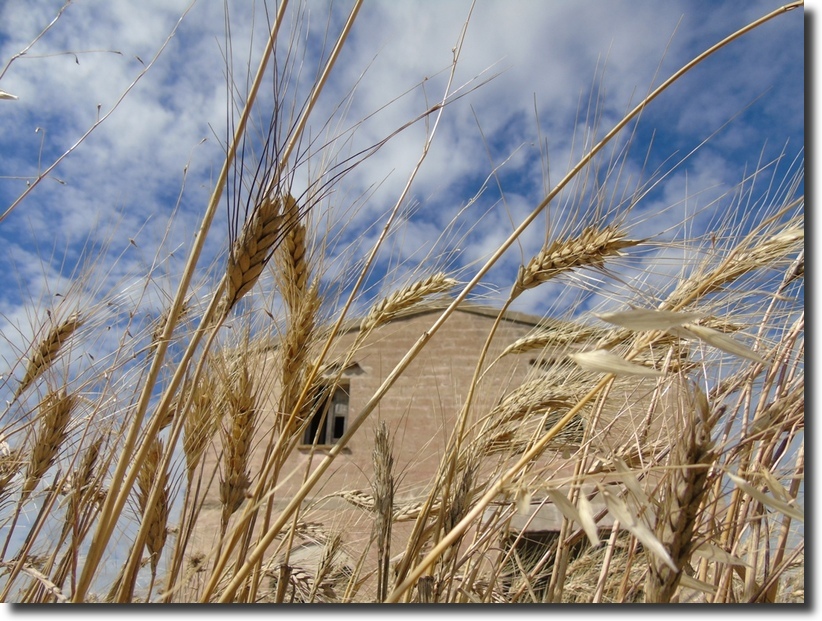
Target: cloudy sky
pixel 535 82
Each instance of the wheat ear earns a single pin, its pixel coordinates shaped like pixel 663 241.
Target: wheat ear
pixel 588 249
pixel 292 263
pixel 390 307
pixel 237 438
pixel 383 488
pixel 55 414
pixel 81 486
pixel 200 424
pixel 47 350
pixel 692 457
pixel 252 250
pixel 10 465
pixel 157 514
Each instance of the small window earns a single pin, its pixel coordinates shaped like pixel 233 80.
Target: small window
pixel 329 416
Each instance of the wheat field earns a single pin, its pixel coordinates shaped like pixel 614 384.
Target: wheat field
pixel 669 384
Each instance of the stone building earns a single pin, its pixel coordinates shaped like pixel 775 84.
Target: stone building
pixel 420 411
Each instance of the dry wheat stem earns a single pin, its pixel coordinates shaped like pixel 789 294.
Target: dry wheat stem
pixel 447 469
pixel 115 502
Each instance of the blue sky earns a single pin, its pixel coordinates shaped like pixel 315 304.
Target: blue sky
pixel 125 204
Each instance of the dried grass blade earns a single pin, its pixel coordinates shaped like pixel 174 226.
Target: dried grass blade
pixel 570 512
pixel 587 521
pixel 603 361
pixel 713 552
pixel 631 482
pixel 768 501
pixel 648 319
pixel 719 340
pixel 636 527
pixel 692 583
pixel 523 501
pixel 774 485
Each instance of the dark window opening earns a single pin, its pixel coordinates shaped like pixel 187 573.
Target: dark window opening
pixel 329 416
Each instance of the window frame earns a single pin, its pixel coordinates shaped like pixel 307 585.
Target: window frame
pixel 330 404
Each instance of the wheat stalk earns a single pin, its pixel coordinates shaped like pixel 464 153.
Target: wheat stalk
pixel 588 249
pixel 47 350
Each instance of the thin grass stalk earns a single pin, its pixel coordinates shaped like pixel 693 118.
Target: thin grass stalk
pixel 46 173
pixel 557 582
pixel 154 426
pixel 199 425
pixel 605 570
pixel 114 503
pixel 739 505
pixel 295 354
